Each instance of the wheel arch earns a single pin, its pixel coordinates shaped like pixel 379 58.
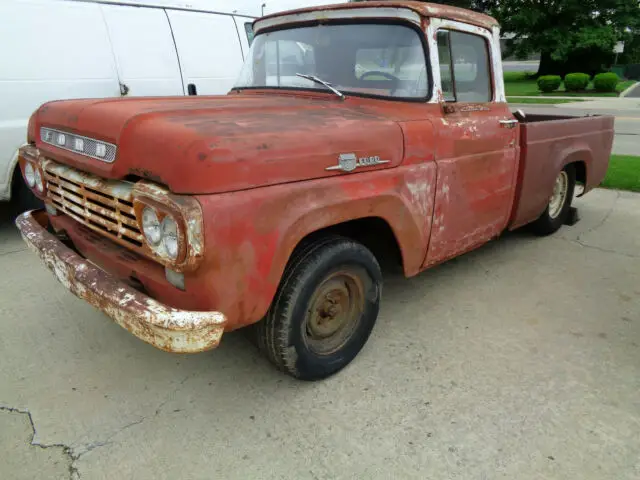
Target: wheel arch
pixel 374 232
pixel 580 167
pixel 532 202
pixel 13 176
pixel 246 260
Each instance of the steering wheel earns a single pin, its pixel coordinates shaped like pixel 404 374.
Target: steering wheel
pixel 386 75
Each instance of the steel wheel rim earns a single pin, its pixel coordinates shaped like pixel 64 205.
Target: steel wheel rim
pixel 559 195
pixel 333 312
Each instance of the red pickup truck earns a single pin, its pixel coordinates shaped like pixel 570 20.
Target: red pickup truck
pixel 354 132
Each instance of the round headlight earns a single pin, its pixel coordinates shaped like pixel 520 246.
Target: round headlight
pixel 151 226
pixel 39 182
pixel 170 238
pixel 30 174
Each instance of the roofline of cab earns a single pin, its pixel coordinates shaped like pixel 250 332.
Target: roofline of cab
pixel 412 11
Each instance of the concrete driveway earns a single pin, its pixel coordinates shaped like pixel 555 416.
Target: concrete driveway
pixel 520 360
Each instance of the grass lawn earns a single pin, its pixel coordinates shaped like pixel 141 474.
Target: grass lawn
pixel 623 173
pixel 541 100
pixel 519 84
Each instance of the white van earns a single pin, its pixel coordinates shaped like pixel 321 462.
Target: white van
pixel 61 49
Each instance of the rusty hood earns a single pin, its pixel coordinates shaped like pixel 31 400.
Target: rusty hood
pixel 199 145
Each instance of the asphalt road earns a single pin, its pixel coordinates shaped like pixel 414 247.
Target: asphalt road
pixel 520 66
pixel 520 360
pixel 635 92
pixel 627 124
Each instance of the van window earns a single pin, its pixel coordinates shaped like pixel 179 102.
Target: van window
pixel 209 50
pixel 61 57
pixel 465 69
pixel 144 50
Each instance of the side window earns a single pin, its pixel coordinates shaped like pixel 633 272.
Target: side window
pixel 465 69
pixel 446 73
pixel 249 30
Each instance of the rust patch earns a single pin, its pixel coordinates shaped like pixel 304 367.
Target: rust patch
pixel 113 208
pixel 163 327
pixel 146 174
pixel 474 108
pixel 422 8
pixel 186 211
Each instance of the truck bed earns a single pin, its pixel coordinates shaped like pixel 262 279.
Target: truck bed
pixel 547 144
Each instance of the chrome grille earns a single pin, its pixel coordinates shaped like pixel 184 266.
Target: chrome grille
pixel 89 145
pixel 102 205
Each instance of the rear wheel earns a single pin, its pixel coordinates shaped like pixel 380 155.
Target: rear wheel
pixel 325 308
pixel 557 211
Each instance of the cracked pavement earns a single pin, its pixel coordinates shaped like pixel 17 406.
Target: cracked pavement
pixel 519 360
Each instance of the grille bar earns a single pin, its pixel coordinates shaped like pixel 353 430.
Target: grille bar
pixel 102 205
pixel 92 207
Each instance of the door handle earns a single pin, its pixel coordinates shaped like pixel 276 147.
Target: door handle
pixel 508 123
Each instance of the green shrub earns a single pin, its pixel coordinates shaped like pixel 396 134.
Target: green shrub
pixel 549 83
pixel 605 82
pixel 576 82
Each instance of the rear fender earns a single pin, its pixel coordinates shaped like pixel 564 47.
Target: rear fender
pixel 538 180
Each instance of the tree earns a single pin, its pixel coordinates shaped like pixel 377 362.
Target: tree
pixel 476 5
pixel 631 49
pixel 571 35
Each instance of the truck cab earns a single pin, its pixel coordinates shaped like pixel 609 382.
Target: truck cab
pixel 355 133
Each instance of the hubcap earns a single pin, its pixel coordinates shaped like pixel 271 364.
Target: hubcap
pixel 559 195
pixel 334 311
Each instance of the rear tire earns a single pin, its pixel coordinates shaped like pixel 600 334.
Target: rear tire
pixel 557 210
pixel 324 310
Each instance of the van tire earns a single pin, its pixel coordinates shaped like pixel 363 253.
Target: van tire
pixel 24 198
pixel 324 310
pixel 557 210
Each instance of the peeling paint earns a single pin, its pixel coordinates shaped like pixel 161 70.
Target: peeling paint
pixel 164 327
pixel 186 211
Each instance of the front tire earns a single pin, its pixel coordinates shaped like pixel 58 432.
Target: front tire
pixel 557 211
pixel 324 310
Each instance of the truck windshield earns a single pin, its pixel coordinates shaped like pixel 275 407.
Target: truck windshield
pixel 370 59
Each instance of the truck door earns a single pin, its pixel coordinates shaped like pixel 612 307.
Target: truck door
pixel 143 47
pixel 476 153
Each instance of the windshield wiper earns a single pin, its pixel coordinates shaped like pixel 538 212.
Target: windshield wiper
pixel 321 82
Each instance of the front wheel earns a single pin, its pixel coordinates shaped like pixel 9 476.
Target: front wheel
pixel 324 310
pixel 557 211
